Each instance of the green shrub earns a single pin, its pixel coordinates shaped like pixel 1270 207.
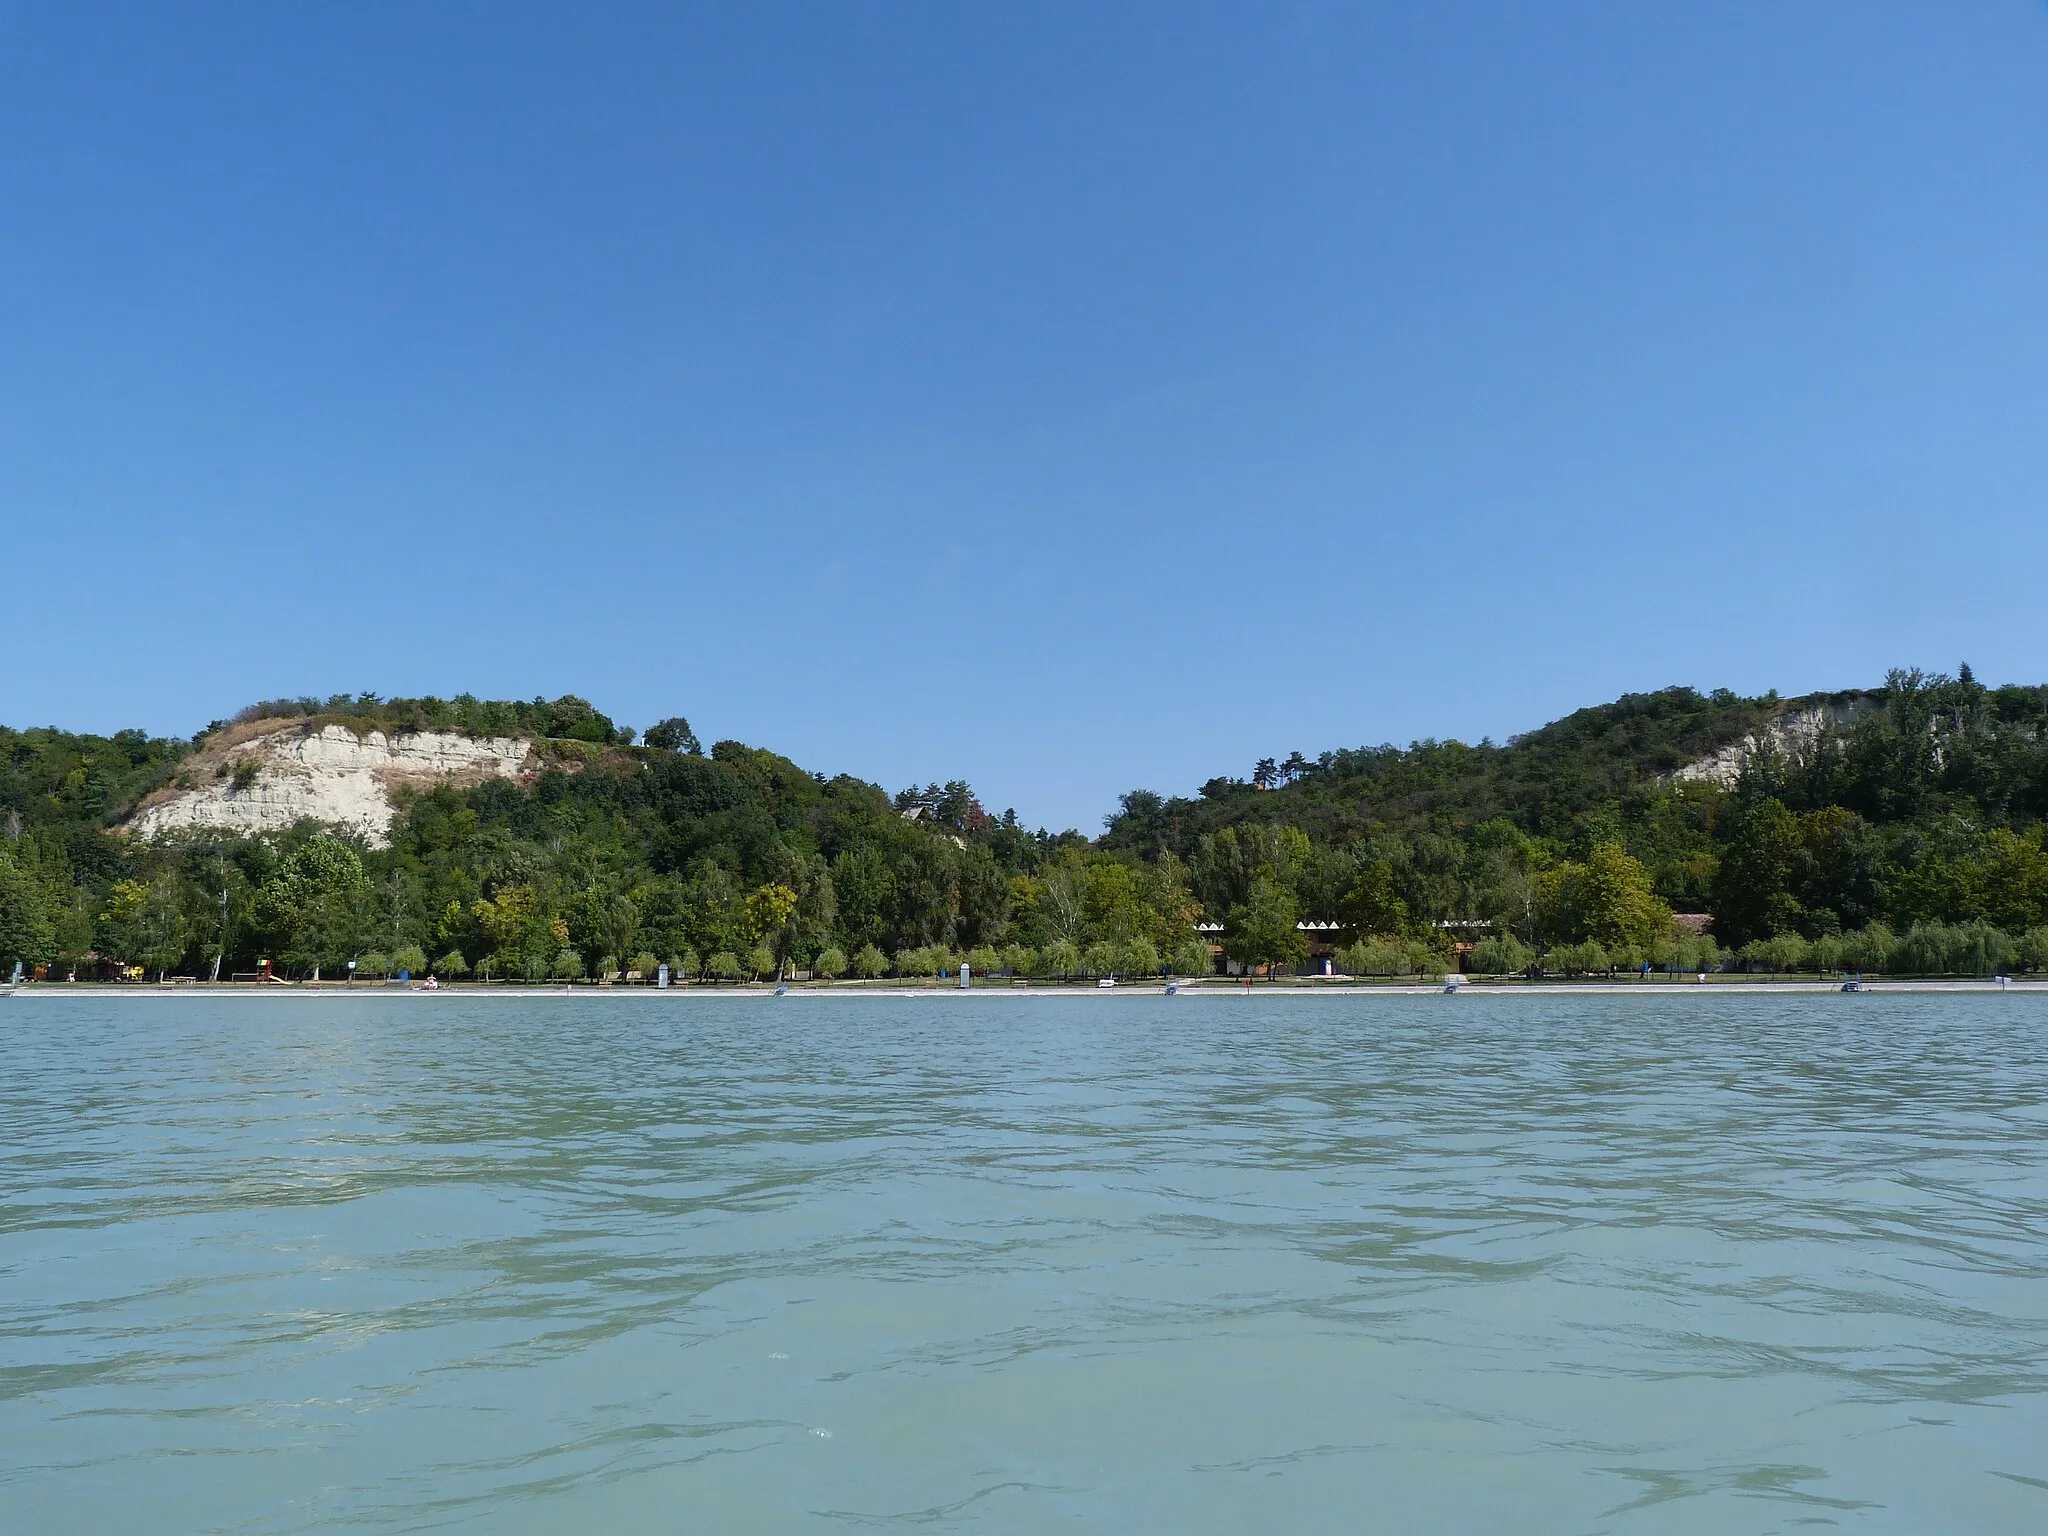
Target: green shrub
pixel 375 963
pixel 1191 957
pixel 1791 952
pixel 1929 949
pixel 761 961
pixel 1981 949
pixel 410 958
pixel 568 966
pixel 1586 959
pixel 451 964
pixel 1779 954
pixel 1059 958
pixel 1978 949
pixel 2032 948
pixel 1137 957
pixel 1501 955
pixel 1377 954
pixel 1688 952
pixel 1627 957
pixel 830 964
pixel 645 965
pixel 1997 952
pixel 1422 957
pixel 869 962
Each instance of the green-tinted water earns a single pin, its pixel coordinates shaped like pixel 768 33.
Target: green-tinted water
pixel 670 1263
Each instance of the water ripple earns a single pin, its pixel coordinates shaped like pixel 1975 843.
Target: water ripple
pixel 1654 1262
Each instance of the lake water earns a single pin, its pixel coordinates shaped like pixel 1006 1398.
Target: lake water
pixel 1653 1263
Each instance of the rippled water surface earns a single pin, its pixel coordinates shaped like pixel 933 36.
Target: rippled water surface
pixel 676 1263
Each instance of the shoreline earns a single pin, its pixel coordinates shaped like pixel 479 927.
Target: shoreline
pixel 85 989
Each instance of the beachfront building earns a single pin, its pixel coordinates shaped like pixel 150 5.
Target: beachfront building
pixel 1325 938
pixel 1322 939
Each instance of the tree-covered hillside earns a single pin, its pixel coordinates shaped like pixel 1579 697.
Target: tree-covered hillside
pixel 729 863
pixel 1911 837
pixel 1926 810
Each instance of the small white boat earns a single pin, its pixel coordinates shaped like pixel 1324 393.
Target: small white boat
pixel 1106 981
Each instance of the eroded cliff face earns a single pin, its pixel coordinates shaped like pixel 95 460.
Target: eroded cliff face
pixel 266 777
pixel 1793 733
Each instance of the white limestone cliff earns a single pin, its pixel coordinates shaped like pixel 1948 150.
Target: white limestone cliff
pixel 269 776
pixel 1792 733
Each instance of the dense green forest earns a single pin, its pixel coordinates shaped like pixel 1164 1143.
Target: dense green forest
pixel 1908 836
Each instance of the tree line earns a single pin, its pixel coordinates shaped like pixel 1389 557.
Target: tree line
pixel 617 858
pixel 1909 837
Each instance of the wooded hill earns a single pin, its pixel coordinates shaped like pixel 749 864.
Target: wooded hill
pixel 1908 837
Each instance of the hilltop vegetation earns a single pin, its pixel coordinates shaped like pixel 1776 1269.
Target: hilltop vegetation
pixel 1911 837
pixel 565 719
pixel 1925 812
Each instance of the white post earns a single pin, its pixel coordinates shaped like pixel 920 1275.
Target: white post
pixel 661 976
pixel 964 968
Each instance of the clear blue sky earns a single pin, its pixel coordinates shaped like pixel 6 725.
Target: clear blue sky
pixel 1067 398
